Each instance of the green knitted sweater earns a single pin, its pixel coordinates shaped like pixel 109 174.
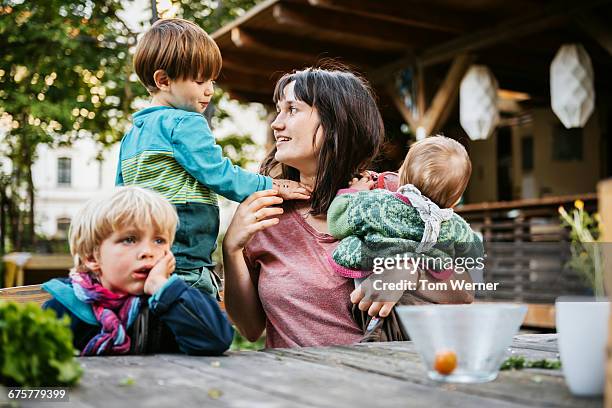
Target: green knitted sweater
pixel 380 223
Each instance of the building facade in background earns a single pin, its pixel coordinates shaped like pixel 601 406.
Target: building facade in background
pixel 65 178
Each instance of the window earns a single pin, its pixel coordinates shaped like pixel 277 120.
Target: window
pixel 567 144
pixel 64 171
pixel 63 224
pixel 527 153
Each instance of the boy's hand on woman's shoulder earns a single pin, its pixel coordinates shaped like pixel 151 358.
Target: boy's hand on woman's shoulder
pixel 160 273
pixel 291 190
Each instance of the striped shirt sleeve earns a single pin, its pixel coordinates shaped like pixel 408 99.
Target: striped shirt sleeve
pixel 195 149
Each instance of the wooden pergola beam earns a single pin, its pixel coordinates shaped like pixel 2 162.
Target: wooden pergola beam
pixel 434 118
pixel 254 11
pixel 367 32
pixel 242 82
pixel 241 60
pixel 399 12
pixel 244 96
pixel 597 29
pixel 555 14
pixel 242 39
pixel 283 47
pixel 446 96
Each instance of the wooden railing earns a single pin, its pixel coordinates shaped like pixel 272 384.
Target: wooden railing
pixel 527 248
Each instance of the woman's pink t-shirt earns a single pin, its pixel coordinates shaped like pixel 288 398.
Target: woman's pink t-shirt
pixel 305 302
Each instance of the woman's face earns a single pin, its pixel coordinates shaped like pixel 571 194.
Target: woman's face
pixel 297 132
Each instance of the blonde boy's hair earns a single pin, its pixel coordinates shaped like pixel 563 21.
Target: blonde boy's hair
pixel 439 167
pixel 126 207
pixel 179 47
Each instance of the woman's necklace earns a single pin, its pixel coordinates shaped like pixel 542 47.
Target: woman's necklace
pixel 304 212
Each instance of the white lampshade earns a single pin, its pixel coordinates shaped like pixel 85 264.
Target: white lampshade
pixel 478 112
pixel 572 90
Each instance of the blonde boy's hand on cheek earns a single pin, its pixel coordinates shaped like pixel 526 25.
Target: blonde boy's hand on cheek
pixel 160 273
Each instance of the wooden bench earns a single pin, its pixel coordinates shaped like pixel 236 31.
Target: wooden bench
pixel 24 294
pixel 57 264
pixel 540 316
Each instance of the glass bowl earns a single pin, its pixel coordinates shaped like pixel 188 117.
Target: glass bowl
pixel 475 336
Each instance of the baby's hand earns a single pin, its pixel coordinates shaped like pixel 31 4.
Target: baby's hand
pixel 362 184
pixel 291 190
pixel 160 273
pixel 381 309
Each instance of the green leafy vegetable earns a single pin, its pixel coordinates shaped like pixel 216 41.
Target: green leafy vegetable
pixel 519 362
pixel 35 347
pixel 127 381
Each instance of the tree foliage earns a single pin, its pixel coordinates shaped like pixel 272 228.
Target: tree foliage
pixel 66 73
pixel 63 75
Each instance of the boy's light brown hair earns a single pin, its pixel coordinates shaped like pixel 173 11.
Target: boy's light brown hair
pixel 126 207
pixel 439 167
pixel 179 47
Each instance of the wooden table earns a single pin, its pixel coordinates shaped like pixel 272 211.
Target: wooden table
pixel 369 375
pixel 46 266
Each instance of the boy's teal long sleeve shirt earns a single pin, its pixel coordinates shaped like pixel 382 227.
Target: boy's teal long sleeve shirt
pixel 173 152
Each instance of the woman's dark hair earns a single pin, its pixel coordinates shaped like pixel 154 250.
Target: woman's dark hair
pixel 352 129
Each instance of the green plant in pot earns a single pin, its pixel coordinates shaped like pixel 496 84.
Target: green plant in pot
pixel 582 322
pixel 36 347
pixel 586 251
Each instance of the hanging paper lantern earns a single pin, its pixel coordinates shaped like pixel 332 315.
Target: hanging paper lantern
pixel 478 112
pixel 572 90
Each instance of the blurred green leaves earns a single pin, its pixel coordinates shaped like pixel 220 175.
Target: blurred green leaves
pixel 35 347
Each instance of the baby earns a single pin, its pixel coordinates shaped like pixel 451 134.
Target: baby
pixel 416 221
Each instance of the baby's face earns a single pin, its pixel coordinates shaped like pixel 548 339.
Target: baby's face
pixel 126 257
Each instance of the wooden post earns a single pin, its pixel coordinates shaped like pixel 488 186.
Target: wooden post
pixel 434 117
pixel 605 212
pixel 446 96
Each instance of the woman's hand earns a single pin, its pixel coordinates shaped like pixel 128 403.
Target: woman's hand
pixel 252 216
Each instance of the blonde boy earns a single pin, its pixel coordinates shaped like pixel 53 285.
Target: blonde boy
pixel 171 149
pixel 121 245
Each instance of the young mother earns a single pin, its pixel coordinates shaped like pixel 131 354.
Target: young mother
pixel 277 275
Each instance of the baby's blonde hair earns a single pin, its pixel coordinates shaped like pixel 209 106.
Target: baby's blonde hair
pixel 439 167
pixel 126 206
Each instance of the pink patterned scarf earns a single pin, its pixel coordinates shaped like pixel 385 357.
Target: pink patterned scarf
pixel 115 311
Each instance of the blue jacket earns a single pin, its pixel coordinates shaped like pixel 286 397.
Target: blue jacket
pixel 179 318
pixel 173 152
